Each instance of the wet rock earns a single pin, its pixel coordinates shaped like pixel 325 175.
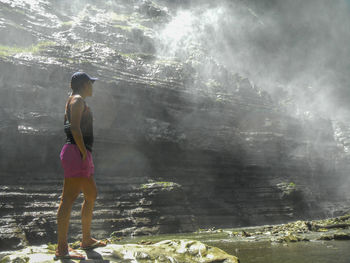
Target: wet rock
pixel 150 8
pixel 11 236
pixel 326 237
pixel 291 238
pixel 286 189
pixel 38 229
pixel 335 236
pixel 164 251
pixel 246 234
pixel 159 211
pixel 342 236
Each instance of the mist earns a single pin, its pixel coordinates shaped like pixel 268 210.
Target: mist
pixel 295 50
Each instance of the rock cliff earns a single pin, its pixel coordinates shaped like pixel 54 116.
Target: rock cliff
pixel 181 142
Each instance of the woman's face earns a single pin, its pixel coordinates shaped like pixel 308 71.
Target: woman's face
pixel 88 88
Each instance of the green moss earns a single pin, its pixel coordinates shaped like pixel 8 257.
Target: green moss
pixel 13 10
pixel 119 17
pixel 41 46
pixel 291 184
pixel 51 247
pixel 6 51
pixel 82 45
pixel 123 27
pixel 21 259
pixel 169 61
pixel 128 18
pixel 162 184
pixel 212 83
pixel 165 184
pixel 137 55
pixel 128 55
pixel 140 27
pixel 75 245
pixel 6 259
pixel 67 23
pixel 322 230
pixel 128 22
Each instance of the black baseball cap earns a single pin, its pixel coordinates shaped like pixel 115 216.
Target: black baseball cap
pixel 81 77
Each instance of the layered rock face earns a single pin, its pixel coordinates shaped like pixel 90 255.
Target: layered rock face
pixel 176 148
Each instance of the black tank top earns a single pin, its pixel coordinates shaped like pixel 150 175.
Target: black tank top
pixel 86 127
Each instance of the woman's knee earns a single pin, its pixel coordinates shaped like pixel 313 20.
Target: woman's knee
pixel 91 195
pixel 90 190
pixel 89 198
pixel 68 199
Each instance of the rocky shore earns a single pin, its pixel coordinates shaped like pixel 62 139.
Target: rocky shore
pixel 158 249
pixel 337 228
pixel 184 251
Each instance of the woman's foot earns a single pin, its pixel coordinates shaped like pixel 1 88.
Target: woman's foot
pixel 72 254
pixel 92 243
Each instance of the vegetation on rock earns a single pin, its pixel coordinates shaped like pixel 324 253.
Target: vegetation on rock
pixel 6 51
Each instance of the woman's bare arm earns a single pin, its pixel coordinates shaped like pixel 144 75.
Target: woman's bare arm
pixel 76 111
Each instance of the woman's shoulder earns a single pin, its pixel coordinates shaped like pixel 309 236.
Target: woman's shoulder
pixel 76 99
pixel 76 102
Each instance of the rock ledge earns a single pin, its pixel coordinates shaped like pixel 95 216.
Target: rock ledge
pixel 165 251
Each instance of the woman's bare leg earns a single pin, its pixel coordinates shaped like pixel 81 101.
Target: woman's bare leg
pixel 71 190
pixel 90 193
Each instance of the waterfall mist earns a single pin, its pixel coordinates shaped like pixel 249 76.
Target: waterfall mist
pixel 296 50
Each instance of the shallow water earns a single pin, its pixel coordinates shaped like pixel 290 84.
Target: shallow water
pixel 299 252
pixel 262 251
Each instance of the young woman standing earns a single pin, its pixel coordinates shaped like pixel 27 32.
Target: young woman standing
pixel 78 167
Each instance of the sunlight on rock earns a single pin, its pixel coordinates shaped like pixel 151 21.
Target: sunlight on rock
pixel 173 251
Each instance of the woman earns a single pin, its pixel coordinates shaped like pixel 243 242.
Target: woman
pixel 78 167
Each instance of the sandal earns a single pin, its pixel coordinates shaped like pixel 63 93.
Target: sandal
pixel 70 255
pixel 97 244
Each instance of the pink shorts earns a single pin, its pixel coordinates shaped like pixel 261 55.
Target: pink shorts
pixel 72 163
